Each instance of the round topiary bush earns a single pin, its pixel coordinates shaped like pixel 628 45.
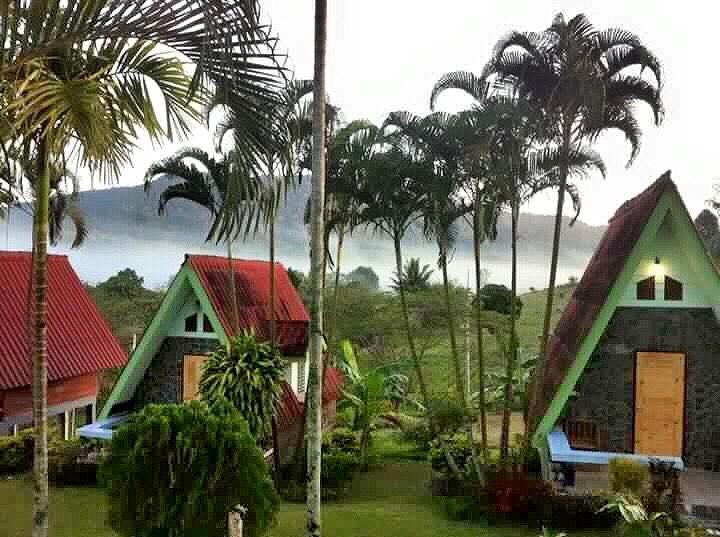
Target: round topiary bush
pixel 178 470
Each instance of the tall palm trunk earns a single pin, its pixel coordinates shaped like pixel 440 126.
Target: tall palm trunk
pixel 233 288
pixel 272 315
pixel 459 383
pixel 416 360
pixel 336 290
pixel 313 401
pixel 477 241
pixel 39 348
pixel 542 352
pixel 512 355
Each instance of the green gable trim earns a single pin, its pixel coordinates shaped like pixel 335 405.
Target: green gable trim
pixel 670 204
pixel 151 340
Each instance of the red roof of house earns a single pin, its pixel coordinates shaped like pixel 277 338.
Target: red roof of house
pixel 290 408
pixel 333 384
pixel 79 339
pixel 624 230
pixel 252 281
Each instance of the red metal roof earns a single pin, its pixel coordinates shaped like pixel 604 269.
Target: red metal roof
pixel 252 281
pixel 333 384
pixel 79 339
pixel 624 230
pixel 290 409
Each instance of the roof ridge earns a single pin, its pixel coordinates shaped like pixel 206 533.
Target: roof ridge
pixel 27 253
pixel 661 183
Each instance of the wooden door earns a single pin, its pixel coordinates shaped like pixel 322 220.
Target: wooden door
pixel 659 403
pixel 191 376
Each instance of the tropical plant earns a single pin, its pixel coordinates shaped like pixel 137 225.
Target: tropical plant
pixel 184 468
pixel 439 139
pixel 80 76
pixel 583 80
pixel 367 393
pixel 249 374
pixel 415 277
pixel 313 398
pixel 18 174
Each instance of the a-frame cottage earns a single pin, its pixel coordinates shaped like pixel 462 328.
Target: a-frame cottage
pixel 80 345
pixel 633 367
pixel 195 316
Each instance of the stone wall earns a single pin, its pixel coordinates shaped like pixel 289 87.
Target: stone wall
pixel 606 391
pixel 163 379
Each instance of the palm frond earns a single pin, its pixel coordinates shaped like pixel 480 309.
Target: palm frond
pixel 465 81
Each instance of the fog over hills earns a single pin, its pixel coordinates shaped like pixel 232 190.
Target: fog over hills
pixel 125 231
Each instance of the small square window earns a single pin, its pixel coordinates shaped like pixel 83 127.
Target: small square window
pixel 673 289
pixel 207 327
pixel 646 289
pixel 191 323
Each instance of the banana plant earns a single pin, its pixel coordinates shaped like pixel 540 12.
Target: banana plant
pixel 370 394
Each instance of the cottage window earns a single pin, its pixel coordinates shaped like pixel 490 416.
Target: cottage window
pixel 191 323
pixel 301 377
pixel 673 289
pixel 646 289
pixel 207 327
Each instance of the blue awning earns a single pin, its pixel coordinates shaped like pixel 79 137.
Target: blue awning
pixel 560 451
pixel 103 429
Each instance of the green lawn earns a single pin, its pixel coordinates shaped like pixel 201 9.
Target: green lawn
pixel 390 501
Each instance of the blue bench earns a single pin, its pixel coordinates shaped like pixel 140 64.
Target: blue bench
pixel 103 429
pixel 567 457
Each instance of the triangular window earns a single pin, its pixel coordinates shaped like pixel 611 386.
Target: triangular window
pixel 207 327
pixel 646 289
pixel 191 323
pixel 673 289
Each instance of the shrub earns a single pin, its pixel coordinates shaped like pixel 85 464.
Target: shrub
pixel 340 462
pixel 459 445
pixel 68 464
pixel 576 512
pixel 182 467
pixel 418 432
pixel 447 413
pixel 16 453
pixel 627 476
pixel 497 298
pixel 517 495
pixel 664 494
pixel 464 508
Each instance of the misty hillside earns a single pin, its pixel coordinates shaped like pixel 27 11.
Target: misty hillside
pixel 125 230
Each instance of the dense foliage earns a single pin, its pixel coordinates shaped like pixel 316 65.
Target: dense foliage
pixel 177 468
pixel 498 298
pixel 247 373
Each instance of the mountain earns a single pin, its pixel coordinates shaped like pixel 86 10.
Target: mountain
pixel 125 231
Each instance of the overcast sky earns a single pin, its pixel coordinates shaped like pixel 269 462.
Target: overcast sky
pixel 385 55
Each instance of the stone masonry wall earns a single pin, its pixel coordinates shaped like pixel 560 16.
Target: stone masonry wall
pixel 163 379
pixel 606 389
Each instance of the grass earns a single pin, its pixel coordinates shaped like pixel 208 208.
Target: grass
pixel 386 502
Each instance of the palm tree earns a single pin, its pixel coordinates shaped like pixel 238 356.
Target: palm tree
pixel 209 187
pixel 285 155
pixel 348 148
pixel 82 74
pixel 416 278
pixel 439 139
pixel 390 200
pixel 523 170
pixel 582 79
pixel 18 174
pixel 313 401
